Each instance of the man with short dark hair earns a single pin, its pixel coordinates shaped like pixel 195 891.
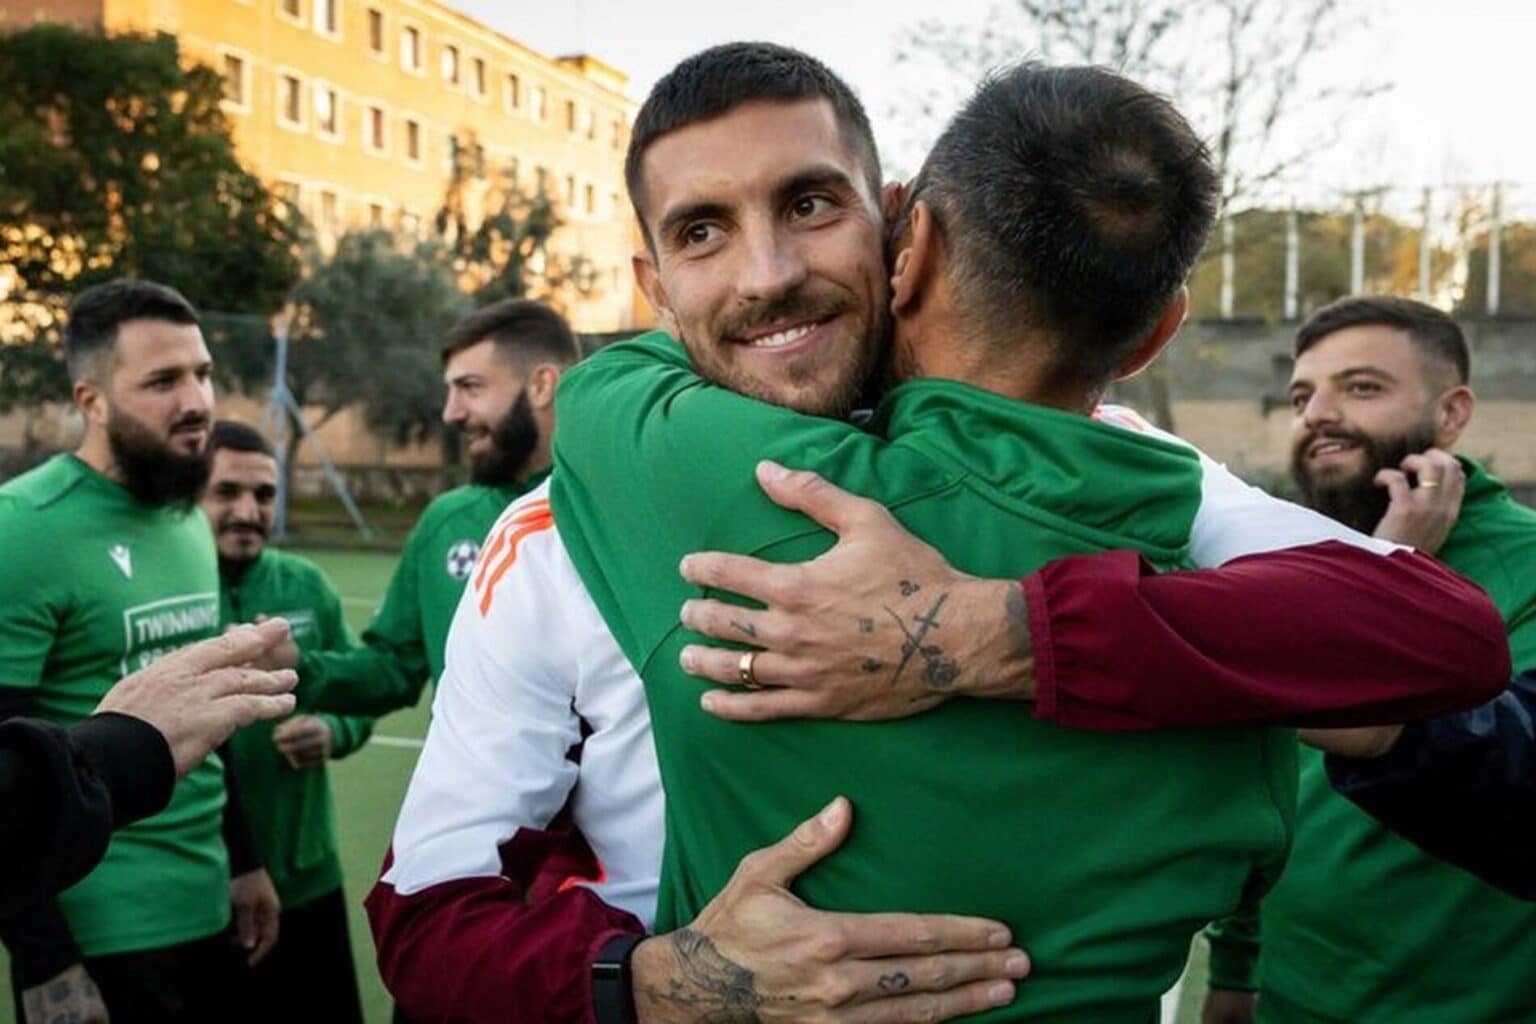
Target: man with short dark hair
pixel 109 566
pixel 501 365
pixel 761 263
pixel 281 766
pixel 1364 925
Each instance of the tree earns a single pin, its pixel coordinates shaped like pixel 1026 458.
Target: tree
pixel 115 160
pixel 366 328
pixel 499 234
pixel 1241 70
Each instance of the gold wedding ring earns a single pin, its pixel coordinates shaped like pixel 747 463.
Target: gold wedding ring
pixel 744 669
pixel 1428 484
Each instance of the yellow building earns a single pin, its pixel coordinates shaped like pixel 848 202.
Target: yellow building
pixel 350 109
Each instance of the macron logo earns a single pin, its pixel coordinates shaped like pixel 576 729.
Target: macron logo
pixel 123 558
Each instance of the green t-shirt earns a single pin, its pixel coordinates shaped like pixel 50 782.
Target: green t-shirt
pixel 1105 853
pixel 403 646
pixel 96 586
pixel 290 812
pixel 1364 926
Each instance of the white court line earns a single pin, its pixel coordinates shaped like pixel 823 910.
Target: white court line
pixel 397 741
pixel 360 602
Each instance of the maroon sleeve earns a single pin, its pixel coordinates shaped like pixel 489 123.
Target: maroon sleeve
pixel 1323 635
pixel 476 951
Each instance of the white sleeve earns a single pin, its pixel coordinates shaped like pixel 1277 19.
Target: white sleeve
pixel 1235 518
pixel 503 718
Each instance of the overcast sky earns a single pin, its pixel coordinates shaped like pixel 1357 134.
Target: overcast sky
pixel 1461 72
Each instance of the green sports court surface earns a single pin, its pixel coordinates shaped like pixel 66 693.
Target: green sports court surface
pixel 368 787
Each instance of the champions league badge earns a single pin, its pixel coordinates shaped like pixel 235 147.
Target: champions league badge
pixel 461 559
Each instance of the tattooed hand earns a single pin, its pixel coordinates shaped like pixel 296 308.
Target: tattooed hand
pixel 758 954
pixel 69 997
pixel 878 627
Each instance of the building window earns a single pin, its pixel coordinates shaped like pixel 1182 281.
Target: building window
pixel 376 215
pixel 236 88
pixel 450 64
pixel 570 116
pixel 538 104
pixel 328 18
pixel 376 31
pixel 289 196
pixel 477 77
pixel 376 136
pixel 330 209
pixel 511 97
pixel 410 48
pixel 591 199
pixel 570 190
pixel 618 134
pixel 327 111
pixel 290 100
pixel 413 140
pixel 591 123
pixel 614 204
pixel 293 10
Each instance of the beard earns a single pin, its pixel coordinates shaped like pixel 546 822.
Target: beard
pixel 1355 500
pixel 839 394
pixel 154 472
pixel 514 438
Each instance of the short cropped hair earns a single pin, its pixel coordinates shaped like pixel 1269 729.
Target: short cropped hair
pixel 238 437
pixel 1073 201
pixel 716 81
pixel 524 331
pixel 96 313
pixel 1436 337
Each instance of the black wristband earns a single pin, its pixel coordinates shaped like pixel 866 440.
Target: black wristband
pixel 613 993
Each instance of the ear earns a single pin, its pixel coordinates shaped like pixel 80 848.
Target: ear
pixel 1452 414
pixel 649 280
pixel 543 379
pixel 91 400
pixel 1158 338
pixel 915 260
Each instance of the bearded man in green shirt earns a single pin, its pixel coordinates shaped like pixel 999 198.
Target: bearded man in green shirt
pixel 281 766
pixel 1364 926
pixel 110 565
pixel 501 365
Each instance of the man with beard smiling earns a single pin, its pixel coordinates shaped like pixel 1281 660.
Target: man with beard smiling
pixel 1364 925
pixel 281 766
pixel 501 365
pixel 109 566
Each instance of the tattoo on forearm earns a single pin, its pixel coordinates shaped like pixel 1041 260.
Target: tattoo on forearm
pixel 721 990
pixel 866 625
pixel 939 672
pixel 908 588
pixel 897 982
pixel 746 627
pixel 871 665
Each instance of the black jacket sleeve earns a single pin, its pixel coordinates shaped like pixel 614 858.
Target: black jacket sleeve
pixel 64 791
pixel 1463 787
pixel 236 826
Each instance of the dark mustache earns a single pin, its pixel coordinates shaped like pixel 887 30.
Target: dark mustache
pixel 1313 436
pixel 191 419
pixel 795 306
pixel 231 526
